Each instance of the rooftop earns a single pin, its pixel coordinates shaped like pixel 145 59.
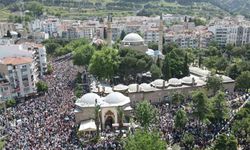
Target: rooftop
pixel 16 60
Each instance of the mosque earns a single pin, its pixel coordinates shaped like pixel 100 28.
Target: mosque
pixel 122 97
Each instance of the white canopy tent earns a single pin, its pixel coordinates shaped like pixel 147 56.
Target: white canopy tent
pixel 87 126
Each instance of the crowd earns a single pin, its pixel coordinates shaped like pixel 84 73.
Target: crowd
pixel 210 132
pixel 47 121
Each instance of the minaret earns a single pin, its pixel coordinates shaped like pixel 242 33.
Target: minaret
pixel 160 42
pixel 109 31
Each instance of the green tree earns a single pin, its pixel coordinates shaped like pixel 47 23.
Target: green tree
pixel 243 81
pixel 186 67
pixel 219 107
pixel 41 86
pixel 82 55
pixel 97 119
pixel 180 119
pixel 123 34
pixel 49 69
pixel 178 99
pixel 35 7
pixel 166 71
pixel 225 142
pixel 145 114
pixel 51 47
pixel 188 141
pixel 201 109
pixel 133 62
pixel 221 64
pixel 153 46
pixel 144 140
pixel 104 63
pixel 155 71
pixel 9 34
pixel 233 71
pixel 120 116
pixel 10 102
pixel 214 83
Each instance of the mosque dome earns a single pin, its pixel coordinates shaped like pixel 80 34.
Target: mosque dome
pixel 116 98
pixel 89 99
pixel 133 37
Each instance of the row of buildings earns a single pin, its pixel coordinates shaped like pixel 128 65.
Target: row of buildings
pixel 20 67
pixel 185 34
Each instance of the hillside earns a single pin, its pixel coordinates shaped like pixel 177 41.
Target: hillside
pixel 81 9
pixel 234 6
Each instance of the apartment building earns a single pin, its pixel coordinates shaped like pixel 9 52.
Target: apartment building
pixel 18 76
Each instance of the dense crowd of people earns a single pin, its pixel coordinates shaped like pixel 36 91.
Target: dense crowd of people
pixel 47 121
pixel 172 135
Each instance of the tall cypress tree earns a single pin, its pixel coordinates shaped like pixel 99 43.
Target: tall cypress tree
pixel 166 71
pixel 185 67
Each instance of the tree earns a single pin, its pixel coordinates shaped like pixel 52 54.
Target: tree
pixel 180 119
pixel 123 34
pixel 9 34
pixel 35 7
pixel 219 107
pixel 49 69
pixel 51 47
pixel 233 71
pixel 185 66
pixel 41 86
pixel 201 108
pixel 82 55
pixel 145 114
pixel 145 140
pixel 178 99
pixel 188 141
pixel 104 63
pixel 133 62
pixel 166 71
pixel 214 83
pixel 221 64
pixel 97 119
pixel 243 81
pixel 225 142
pixel 19 35
pixel 120 116
pixel 155 71
pixel 153 46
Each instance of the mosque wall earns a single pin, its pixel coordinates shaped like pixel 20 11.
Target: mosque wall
pixel 85 114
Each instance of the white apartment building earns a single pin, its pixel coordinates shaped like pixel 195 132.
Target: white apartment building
pixel 37 52
pixel 151 35
pixel 235 34
pixel 21 74
pixel 182 40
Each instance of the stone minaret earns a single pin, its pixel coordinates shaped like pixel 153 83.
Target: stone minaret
pixel 160 42
pixel 109 31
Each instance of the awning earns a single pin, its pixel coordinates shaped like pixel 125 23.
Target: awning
pixel 88 125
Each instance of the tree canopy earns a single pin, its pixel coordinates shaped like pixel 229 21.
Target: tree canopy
pixel 104 63
pixel 243 81
pixel 214 83
pixel 83 54
pixel 145 140
pixel 145 114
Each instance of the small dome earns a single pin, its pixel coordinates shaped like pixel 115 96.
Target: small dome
pixel 159 83
pixel 133 37
pixel 134 88
pixel 120 87
pixel 188 80
pixel 174 82
pixel 117 99
pixel 89 99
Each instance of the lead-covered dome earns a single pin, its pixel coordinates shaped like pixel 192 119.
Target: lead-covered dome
pixel 133 37
pixel 116 99
pixel 89 99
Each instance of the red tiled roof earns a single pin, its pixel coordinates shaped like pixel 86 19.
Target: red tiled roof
pixel 16 60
